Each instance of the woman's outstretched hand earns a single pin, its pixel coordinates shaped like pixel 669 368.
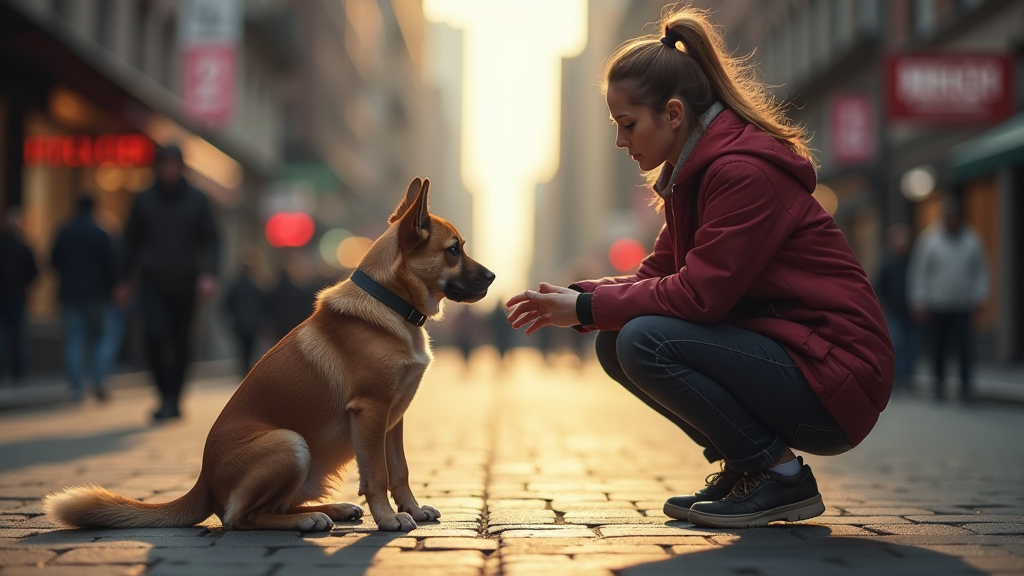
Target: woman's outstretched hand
pixel 549 306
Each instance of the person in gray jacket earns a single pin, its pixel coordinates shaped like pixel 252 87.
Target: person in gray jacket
pixel 947 283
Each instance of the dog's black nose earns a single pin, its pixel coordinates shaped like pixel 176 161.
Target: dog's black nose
pixel 488 275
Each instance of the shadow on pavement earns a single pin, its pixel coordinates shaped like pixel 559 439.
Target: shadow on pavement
pixel 54 449
pixel 819 553
pixel 198 550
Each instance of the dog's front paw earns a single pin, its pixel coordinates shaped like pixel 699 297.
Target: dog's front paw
pixel 315 522
pixel 421 513
pixel 400 522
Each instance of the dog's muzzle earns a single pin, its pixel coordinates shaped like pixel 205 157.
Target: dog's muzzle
pixel 470 289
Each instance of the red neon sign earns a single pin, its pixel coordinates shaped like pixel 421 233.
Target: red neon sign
pixel 81 151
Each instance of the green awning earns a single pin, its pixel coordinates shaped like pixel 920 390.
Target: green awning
pixel 318 174
pixel 989 151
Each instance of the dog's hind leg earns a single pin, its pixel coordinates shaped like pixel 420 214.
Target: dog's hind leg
pixel 337 511
pixel 266 474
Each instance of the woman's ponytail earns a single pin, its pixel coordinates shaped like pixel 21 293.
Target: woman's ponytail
pixel 652 70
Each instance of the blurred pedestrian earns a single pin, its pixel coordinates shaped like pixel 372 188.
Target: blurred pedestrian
pixel 891 287
pixel 466 333
pixel 948 282
pixel 246 305
pixel 501 333
pixel 171 242
pixel 292 299
pixel 17 270
pixel 751 326
pixel 83 256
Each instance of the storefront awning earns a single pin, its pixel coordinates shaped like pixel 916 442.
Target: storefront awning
pixel 989 151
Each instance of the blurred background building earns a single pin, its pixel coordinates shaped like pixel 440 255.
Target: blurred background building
pixel 330 109
pixel 907 101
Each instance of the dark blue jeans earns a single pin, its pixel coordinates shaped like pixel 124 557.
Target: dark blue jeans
pixel 955 325
pixel 84 328
pixel 735 393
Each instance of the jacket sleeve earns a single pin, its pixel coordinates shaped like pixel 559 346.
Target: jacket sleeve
pixel 743 225
pixel 660 262
pixel 917 269
pixel 980 287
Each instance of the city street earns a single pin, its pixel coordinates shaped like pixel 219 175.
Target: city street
pixel 537 469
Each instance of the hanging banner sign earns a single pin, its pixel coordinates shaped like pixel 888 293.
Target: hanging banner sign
pixel 210 32
pixel 949 88
pixel 852 128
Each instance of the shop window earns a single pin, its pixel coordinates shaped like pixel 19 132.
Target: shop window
pixel 981 212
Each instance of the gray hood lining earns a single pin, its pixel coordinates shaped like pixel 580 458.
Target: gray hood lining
pixel 663 186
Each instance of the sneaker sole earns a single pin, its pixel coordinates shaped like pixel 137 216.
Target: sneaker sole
pixel 675 512
pixel 790 513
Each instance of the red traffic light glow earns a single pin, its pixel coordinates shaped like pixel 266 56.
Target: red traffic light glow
pixel 625 254
pixel 292 229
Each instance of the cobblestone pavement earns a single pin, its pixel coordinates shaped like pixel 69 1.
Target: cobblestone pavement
pixel 537 470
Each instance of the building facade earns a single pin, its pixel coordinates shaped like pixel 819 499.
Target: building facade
pixel 325 119
pixel 853 72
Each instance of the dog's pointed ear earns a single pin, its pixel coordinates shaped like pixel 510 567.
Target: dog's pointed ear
pixel 410 195
pixel 416 221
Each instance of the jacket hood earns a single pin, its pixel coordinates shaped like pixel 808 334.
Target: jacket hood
pixel 727 134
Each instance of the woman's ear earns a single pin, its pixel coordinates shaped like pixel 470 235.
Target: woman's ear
pixel 675 111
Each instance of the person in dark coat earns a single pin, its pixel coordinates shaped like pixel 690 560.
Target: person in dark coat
pixel 83 256
pixel 246 304
pixel 891 287
pixel 752 325
pixel 17 270
pixel 171 244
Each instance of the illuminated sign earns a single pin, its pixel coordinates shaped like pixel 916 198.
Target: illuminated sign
pixel 949 88
pixel 853 129
pixel 81 151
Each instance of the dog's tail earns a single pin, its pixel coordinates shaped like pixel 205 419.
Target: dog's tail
pixel 95 507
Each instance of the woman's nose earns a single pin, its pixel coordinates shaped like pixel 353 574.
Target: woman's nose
pixel 620 142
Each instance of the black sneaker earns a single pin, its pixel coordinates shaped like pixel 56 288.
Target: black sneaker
pixel 760 498
pixel 719 485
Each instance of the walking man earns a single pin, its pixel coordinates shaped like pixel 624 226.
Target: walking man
pixel 171 244
pixel 84 257
pixel 17 270
pixel 948 282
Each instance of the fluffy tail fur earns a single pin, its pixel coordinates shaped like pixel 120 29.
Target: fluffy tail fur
pixel 95 507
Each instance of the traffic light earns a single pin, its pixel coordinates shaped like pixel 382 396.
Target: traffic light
pixel 625 254
pixel 289 229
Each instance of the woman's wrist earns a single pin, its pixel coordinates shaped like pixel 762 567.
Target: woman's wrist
pixel 584 309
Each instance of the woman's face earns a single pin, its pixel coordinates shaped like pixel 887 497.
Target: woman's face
pixel 649 138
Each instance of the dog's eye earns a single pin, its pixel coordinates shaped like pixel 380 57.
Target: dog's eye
pixel 454 250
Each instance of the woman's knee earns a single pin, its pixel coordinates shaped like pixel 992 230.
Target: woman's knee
pixel 604 346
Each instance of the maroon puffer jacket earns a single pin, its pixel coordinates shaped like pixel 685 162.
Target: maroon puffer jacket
pixel 746 244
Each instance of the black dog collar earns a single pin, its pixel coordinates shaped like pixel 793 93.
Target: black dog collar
pixel 389 298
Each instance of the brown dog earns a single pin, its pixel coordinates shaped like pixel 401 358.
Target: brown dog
pixel 336 387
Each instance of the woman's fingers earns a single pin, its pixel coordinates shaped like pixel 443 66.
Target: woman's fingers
pixel 521 297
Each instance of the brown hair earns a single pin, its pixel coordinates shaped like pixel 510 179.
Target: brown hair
pixel 651 72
